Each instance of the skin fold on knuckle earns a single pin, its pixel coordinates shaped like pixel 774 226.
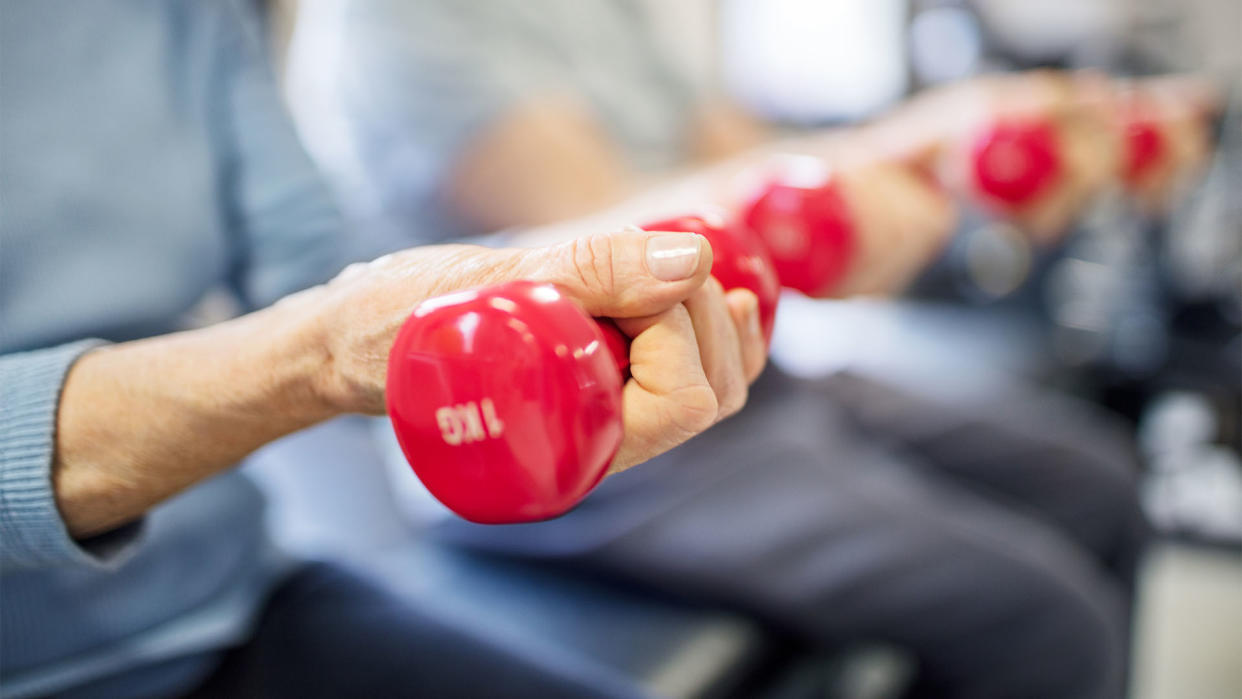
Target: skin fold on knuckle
pixel 591 262
pixel 735 386
pixel 458 267
pixel 691 410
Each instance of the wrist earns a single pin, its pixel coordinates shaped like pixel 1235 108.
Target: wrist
pixel 332 376
pixel 293 351
pixel 139 421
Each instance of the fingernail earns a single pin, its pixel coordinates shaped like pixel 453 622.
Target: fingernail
pixel 672 257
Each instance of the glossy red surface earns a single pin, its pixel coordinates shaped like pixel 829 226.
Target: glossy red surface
pixel 506 401
pixel 1145 146
pixel 739 260
pixel 1014 162
pixel 618 345
pixel 807 230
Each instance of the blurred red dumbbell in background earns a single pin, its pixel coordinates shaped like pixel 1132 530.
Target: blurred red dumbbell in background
pixel 1032 149
pixel 1164 127
pixel 1013 162
pixel 801 216
pixel 854 219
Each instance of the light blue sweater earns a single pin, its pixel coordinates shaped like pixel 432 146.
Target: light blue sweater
pixel 145 159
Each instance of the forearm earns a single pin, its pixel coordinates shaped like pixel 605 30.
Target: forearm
pixel 549 160
pixel 546 160
pixel 724 184
pixel 140 421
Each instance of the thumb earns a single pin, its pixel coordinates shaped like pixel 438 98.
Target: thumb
pixel 628 274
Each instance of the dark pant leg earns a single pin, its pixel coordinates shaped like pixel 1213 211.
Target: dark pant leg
pixel 327 632
pixel 1055 458
pixel 785 513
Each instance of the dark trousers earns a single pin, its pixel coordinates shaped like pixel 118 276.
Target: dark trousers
pixel 329 632
pixel 997 544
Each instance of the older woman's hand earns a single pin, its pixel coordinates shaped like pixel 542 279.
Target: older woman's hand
pixel 1177 112
pixel 140 421
pixel 694 349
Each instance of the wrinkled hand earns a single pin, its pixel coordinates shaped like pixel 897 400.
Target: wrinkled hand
pixel 902 217
pixel 695 349
pixel 948 118
pixel 1180 109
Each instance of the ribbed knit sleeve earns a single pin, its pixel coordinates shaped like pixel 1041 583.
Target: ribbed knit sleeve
pixel 32 532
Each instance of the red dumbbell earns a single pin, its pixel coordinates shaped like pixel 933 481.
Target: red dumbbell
pixel 1144 148
pixel 1014 162
pixel 804 222
pixel 506 400
pixel 1143 142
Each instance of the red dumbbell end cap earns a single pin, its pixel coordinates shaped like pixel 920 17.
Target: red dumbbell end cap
pixel 808 232
pixel 1014 162
pixel 1144 149
pixel 506 401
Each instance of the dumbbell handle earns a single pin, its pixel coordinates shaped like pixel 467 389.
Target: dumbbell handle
pixel 617 343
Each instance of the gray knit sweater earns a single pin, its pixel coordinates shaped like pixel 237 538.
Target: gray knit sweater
pixel 144 159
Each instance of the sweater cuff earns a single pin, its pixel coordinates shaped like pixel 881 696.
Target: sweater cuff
pixel 32 530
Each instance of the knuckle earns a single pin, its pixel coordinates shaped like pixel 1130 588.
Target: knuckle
pixel 697 408
pixel 591 259
pixel 756 370
pixel 350 271
pixel 734 399
pixel 709 293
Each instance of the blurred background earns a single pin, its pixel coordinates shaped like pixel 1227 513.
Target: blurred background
pixel 1137 311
